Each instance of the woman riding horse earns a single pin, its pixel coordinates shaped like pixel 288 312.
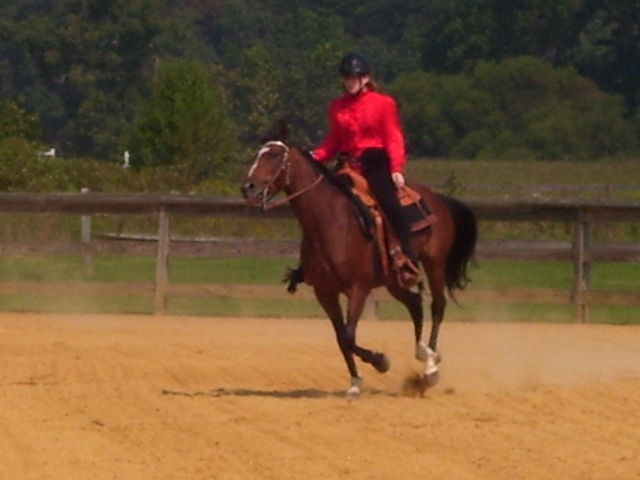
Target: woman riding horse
pixel 364 126
pixel 336 257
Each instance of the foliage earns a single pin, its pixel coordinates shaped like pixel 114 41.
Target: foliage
pixel 80 65
pixel 599 39
pixel 184 124
pixel 87 70
pixel 520 108
pixel 15 122
pixel 287 75
pixel 24 169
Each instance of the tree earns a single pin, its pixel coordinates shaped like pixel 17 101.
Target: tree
pixel 608 48
pixel 291 74
pixel 184 123
pixel 15 122
pixel 520 108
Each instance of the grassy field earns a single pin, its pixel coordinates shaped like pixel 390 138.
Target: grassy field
pixel 507 177
pixel 488 179
pixel 464 179
pixel 268 271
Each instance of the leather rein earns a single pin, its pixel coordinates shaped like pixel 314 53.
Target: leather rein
pixel 283 167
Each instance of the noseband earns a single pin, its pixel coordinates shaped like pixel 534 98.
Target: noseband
pixel 283 167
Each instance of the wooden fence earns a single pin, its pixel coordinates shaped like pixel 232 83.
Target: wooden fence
pixel 582 214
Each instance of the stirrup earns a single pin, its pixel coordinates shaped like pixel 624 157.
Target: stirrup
pixel 407 272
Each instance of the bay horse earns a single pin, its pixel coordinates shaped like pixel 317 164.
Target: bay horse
pixel 337 258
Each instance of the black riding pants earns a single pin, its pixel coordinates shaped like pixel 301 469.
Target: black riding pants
pixel 375 166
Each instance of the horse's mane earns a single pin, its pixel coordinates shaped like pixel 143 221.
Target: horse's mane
pixel 306 153
pixel 363 216
pixel 319 167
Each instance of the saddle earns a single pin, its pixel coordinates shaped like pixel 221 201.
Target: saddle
pixel 415 213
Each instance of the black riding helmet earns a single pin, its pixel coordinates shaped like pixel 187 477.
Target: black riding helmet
pixel 354 65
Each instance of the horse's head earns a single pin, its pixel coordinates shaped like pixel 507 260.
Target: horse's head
pixel 269 173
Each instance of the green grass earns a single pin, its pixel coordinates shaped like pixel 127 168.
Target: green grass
pixel 555 275
pixel 454 175
pixel 248 270
pixel 268 271
pixel 449 176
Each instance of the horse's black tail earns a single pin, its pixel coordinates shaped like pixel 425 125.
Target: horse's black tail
pixel 464 244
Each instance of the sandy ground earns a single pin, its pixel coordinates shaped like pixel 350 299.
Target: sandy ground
pixel 117 397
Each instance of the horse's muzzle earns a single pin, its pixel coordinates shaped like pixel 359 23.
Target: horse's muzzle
pixel 252 193
pixel 247 190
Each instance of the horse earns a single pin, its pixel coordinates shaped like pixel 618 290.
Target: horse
pixel 337 258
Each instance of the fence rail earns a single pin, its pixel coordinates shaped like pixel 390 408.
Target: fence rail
pixel 583 214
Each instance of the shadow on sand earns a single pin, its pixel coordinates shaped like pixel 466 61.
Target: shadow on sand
pixel 296 394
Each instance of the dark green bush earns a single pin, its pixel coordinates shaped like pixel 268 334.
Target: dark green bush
pixel 184 124
pixel 521 108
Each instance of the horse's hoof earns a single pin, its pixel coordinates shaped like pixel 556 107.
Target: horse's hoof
pixel 431 379
pixel 355 389
pixel 381 362
pixel 352 392
pixel 417 384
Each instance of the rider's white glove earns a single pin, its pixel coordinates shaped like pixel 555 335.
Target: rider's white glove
pixel 398 179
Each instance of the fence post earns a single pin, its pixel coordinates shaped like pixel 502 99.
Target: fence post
pixel 582 268
pixel 85 240
pixel 162 262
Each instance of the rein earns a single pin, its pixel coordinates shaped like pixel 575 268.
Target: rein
pixel 284 166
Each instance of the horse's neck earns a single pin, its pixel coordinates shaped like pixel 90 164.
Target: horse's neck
pixel 319 207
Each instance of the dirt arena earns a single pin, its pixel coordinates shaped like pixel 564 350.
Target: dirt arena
pixel 117 397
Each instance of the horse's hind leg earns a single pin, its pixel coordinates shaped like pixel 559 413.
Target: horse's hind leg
pixel 437 283
pixel 331 305
pixel 430 355
pixel 413 302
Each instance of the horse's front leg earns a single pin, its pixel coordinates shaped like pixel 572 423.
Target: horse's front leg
pixel 331 305
pixel 355 307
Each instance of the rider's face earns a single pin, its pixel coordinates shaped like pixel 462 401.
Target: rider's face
pixel 353 85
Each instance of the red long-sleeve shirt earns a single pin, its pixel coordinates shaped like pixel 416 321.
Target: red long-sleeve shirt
pixel 367 120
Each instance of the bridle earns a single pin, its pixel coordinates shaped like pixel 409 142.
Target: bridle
pixel 283 167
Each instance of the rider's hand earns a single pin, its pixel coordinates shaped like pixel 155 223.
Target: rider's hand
pixel 398 179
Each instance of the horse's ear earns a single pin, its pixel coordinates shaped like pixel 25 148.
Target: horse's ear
pixel 279 132
pixel 282 130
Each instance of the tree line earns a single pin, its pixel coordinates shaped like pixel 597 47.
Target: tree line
pixel 189 84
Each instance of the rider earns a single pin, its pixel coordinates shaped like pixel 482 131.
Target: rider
pixel 364 125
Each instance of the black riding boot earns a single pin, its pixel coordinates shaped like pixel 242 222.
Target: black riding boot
pixel 375 164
